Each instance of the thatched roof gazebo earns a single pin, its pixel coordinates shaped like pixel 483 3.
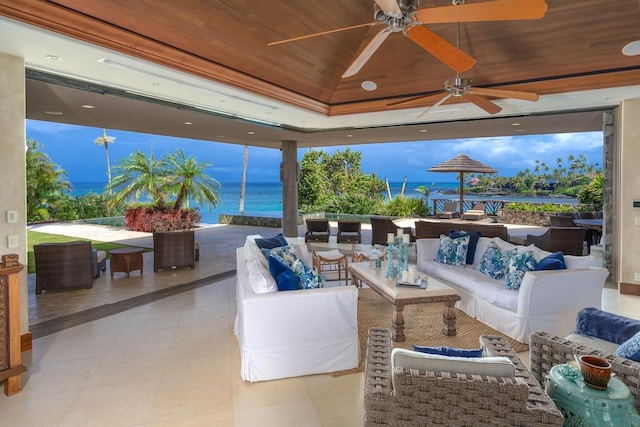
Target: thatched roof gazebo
pixel 461 164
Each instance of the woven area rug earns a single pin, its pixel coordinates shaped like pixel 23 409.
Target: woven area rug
pixel 422 326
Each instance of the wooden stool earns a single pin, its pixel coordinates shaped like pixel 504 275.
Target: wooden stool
pixel 331 261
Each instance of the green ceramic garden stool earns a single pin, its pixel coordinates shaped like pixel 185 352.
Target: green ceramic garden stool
pixel 585 406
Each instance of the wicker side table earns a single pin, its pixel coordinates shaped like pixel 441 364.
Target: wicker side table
pixel 126 260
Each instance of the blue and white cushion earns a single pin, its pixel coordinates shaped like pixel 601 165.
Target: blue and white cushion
pixel 519 264
pixel 453 251
pixel 494 261
pixel 630 349
pixel 287 254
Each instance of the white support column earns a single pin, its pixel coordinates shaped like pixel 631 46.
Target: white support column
pixel 12 164
pixel 289 177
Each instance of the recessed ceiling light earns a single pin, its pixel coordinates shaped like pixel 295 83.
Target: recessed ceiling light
pixel 220 136
pixel 251 133
pixel 521 130
pixel 53 113
pixel 349 136
pixel 631 49
pixel 188 123
pixel 53 58
pixel 155 84
pixel 422 130
pixel 369 85
pixel 515 124
pixel 88 107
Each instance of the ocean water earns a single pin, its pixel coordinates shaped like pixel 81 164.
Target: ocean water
pixel 265 199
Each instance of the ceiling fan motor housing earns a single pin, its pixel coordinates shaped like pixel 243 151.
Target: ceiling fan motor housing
pixel 408 8
pixel 457 86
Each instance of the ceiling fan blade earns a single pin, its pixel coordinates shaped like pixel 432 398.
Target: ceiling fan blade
pixel 390 8
pixel 497 10
pixel 308 36
pixel 440 48
pixel 502 93
pixel 442 101
pixel 366 53
pixel 483 103
pixel 426 99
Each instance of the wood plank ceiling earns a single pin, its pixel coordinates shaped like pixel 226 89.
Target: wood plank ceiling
pixel 576 46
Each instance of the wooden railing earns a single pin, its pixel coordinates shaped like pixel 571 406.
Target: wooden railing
pixel 493 206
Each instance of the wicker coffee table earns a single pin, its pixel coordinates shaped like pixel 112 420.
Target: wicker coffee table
pixel 399 296
pixel 126 260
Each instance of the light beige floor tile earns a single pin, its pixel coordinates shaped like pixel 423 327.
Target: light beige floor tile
pixel 35 410
pixel 59 376
pixel 129 368
pixel 266 393
pixel 348 386
pixel 125 405
pixel 154 320
pixel 293 414
pixel 173 303
pixel 143 340
pixel 219 419
pixel 339 410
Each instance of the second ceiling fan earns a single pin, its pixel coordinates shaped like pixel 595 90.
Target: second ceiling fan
pixel 405 16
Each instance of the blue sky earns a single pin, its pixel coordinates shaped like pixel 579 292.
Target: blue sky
pixel 73 149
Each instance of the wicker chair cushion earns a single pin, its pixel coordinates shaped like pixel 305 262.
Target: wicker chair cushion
pixel 497 366
pixel 519 264
pixel 453 251
pixel 630 349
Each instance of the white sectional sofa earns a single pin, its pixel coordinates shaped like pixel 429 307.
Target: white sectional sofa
pixel 292 333
pixel 546 301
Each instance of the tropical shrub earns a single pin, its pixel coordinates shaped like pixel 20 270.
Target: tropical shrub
pixel 592 194
pixel 152 218
pixel 541 207
pixel 358 204
pixel 405 206
pixel 90 205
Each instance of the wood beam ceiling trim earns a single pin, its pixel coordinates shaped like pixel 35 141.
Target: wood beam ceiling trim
pixel 63 21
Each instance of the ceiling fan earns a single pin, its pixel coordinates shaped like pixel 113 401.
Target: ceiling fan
pixel 459 87
pixel 405 16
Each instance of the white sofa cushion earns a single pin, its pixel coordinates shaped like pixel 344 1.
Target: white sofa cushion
pixel 600 344
pixel 260 278
pixel 485 366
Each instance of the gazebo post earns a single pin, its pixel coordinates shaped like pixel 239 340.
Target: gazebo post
pixel 461 193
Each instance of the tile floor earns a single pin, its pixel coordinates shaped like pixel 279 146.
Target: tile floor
pixel 175 362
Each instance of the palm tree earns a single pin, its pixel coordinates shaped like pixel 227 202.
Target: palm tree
pixel 139 176
pixel 106 140
pixel 187 179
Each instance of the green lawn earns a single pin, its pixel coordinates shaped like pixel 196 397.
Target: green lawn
pixel 34 238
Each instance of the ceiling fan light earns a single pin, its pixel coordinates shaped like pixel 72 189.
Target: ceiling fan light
pixel 368 85
pixel 631 49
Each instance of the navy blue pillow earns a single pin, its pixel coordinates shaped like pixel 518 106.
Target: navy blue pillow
pixel 555 261
pixel 272 242
pixel 286 279
pixel 606 326
pixel 449 351
pixel 474 236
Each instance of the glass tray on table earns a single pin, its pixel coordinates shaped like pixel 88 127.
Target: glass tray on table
pixel 420 283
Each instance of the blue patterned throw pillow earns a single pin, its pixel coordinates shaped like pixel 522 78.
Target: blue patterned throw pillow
pixel 518 265
pixel 494 261
pixel 287 255
pixel 284 276
pixel 630 349
pixel 474 237
pixel 453 251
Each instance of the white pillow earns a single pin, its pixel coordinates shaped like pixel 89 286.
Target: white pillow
pixel 252 251
pixel 260 279
pixel 574 261
pixel 538 253
pixel 302 251
pixel 485 366
pixel 505 246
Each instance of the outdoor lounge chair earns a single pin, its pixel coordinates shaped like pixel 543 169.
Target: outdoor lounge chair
pixel 381 226
pixel 413 397
pixel 349 231
pixel 318 230
pixel 478 211
pixel 174 249
pixel 449 210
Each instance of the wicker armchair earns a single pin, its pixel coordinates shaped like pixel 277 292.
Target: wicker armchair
pixel 173 249
pixel 381 226
pixel 426 398
pixel 548 350
pixel 69 265
pixel 569 240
